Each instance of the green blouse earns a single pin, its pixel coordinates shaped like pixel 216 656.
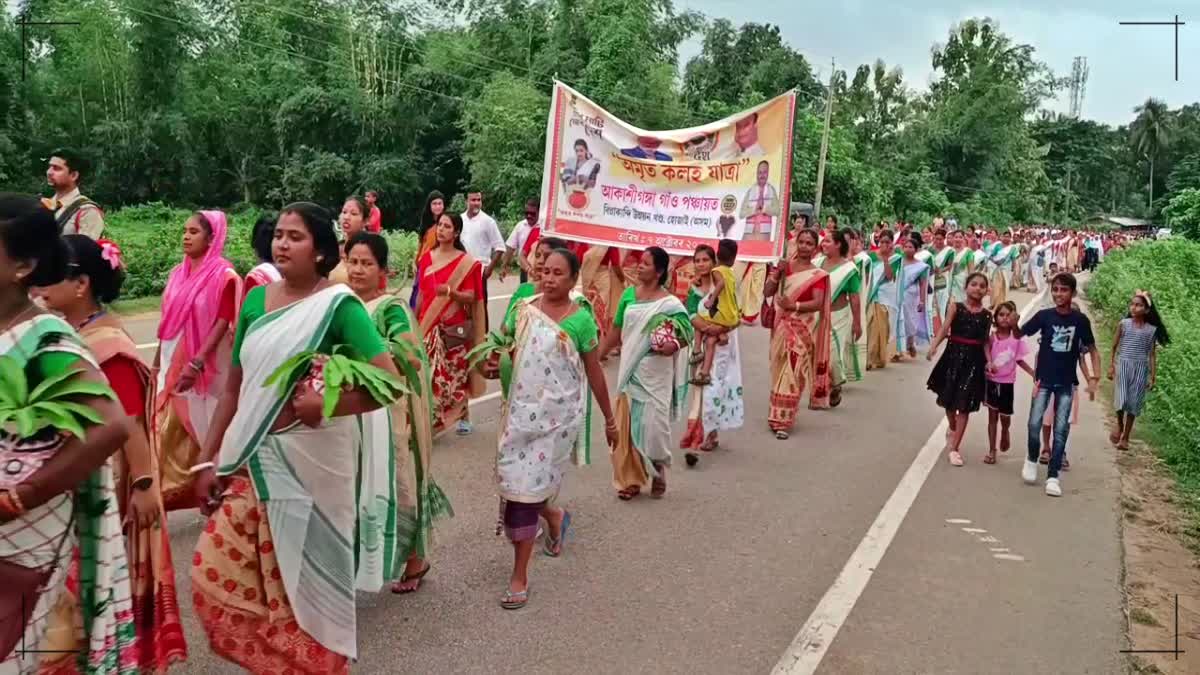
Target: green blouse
pixel 351 325
pixel 580 326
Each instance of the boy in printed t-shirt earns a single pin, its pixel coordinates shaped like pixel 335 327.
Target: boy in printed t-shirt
pixel 1066 335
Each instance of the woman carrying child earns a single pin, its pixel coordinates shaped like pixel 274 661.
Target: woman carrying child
pixel 1134 365
pixel 720 312
pixel 958 377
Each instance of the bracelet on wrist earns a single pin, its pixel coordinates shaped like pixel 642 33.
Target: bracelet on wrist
pixel 10 503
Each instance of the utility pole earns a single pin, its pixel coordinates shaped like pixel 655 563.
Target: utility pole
pixel 1068 214
pixel 824 145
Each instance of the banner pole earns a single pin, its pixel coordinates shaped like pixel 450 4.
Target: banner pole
pixel 824 145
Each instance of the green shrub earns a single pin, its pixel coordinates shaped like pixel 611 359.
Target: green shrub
pixel 1168 270
pixel 151 236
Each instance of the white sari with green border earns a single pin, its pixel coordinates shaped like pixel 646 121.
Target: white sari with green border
pixel 308 478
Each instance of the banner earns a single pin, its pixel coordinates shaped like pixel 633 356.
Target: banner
pixel 611 184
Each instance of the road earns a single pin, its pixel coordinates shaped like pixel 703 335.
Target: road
pixel 853 547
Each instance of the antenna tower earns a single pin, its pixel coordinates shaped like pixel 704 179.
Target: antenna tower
pixel 1079 77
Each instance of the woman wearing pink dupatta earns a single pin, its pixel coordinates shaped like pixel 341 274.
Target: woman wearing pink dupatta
pixel 195 346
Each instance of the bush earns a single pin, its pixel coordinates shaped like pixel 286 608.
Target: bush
pixel 1167 269
pixel 150 237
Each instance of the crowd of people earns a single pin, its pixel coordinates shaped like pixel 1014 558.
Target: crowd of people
pixel 297 407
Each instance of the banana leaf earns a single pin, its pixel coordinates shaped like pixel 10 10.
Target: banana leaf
pixel 342 369
pixel 494 342
pixel 50 404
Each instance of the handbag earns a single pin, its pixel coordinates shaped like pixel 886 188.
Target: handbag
pixel 457 335
pixel 766 315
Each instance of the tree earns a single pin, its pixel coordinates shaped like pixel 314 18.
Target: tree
pixel 1183 213
pixel 1150 134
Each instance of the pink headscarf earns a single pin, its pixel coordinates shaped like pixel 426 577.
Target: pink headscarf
pixel 192 298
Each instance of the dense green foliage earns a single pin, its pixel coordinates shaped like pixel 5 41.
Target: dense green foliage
pixel 1173 407
pixel 225 102
pixel 151 240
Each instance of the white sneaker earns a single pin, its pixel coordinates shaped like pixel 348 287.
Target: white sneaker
pixel 1029 472
pixel 1053 489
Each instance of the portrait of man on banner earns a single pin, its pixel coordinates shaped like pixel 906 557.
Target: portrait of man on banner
pixel 759 206
pixel 647 148
pixel 745 135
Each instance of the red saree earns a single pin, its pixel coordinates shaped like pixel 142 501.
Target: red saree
pixel 800 350
pixel 454 382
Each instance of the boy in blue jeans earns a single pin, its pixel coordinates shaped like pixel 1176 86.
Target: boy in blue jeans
pixel 1066 334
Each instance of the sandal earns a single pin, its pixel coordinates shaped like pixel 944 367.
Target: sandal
pixel 1123 445
pixel 781 435
pixel 512 600
pixel 709 444
pixel 658 485
pixel 628 493
pixel 702 380
pixel 956 458
pixel 835 397
pixel 406 578
pixel 549 545
pixel 1044 458
pixel 1066 464
pixel 1115 438
pixel 697 358
pixel 1005 441
pixel 990 457
pixel 691 458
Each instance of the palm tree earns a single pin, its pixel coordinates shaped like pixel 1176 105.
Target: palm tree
pixel 1151 133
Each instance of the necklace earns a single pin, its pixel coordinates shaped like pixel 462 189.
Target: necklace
pixel 91 317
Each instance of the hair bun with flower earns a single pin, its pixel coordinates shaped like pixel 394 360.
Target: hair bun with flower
pixel 111 253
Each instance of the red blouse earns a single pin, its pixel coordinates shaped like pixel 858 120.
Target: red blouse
pixel 122 375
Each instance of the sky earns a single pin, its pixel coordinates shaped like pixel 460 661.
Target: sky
pixel 1127 64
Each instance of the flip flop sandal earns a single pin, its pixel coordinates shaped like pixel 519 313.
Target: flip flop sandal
pixel 781 435
pixel 990 458
pixel 406 578
pixel 548 544
pixel 702 380
pixel 1115 438
pixel 835 397
pixel 697 358
pixel 691 458
pixel 1044 458
pixel 1066 466
pixel 658 488
pixel 516 600
pixel 956 458
pixel 628 493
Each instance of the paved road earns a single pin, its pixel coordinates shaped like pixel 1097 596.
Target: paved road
pixel 721 575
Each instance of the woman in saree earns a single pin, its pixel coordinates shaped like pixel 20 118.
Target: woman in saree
pixel 403 433
pixel 275 569
pixel 801 337
pixel 260 240
pixel 450 311
pixel 545 417
pixel 94 276
pixel 353 219
pixel 64 599
pixel 845 283
pixel 603 282
pixel 191 364
pixel 943 253
pixel 430 216
pixel 912 326
pixel 862 260
pixel 1000 263
pixel 651 379
pixel 717 406
pixel 532 287
pixel 962 264
pixel 629 265
pixel 883 302
pixel 752 279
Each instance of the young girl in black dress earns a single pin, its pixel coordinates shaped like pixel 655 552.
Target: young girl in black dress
pixel 959 378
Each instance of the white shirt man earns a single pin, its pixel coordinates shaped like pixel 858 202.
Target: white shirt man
pixel 481 235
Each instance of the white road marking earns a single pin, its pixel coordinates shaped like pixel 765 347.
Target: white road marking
pixel 998 550
pixel 958 521
pixel 1008 556
pixel 497 298
pixel 974 530
pixel 807 650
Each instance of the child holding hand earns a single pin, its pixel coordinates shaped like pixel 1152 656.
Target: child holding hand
pixel 1008 351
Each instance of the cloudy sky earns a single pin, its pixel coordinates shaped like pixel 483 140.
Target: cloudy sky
pixel 1128 63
